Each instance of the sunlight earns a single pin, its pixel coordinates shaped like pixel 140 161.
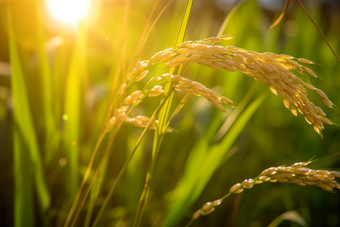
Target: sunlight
pixel 69 11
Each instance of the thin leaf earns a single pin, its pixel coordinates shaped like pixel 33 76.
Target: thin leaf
pixel 27 160
pixel 201 165
pixel 289 216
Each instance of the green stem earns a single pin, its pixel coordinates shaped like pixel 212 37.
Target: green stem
pixel 122 171
pixel 145 194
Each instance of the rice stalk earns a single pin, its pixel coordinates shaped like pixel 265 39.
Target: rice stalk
pixel 297 173
pixel 271 68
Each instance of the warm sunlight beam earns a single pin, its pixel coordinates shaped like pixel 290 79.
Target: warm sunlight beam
pixel 69 11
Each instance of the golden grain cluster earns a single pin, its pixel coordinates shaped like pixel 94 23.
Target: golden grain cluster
pixel 295 174
pixel 274 69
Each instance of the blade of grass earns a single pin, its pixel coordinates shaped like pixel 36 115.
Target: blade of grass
pixel 73 100
pixel 46 87
pixel 162 118
pixel 319 30
pixel 27 161
pixel 227 19
pixel 108 197
pixel 201 165
pixel 111 104
pixel 289 216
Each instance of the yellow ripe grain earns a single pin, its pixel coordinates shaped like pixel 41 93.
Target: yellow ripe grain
pixel 239 61
pixel 327 102
pixel 229 68
pixel 241 49
pixel 309 86
pixel 221 50
pixel 184 80
pixel 267 67
pixel 335 173
pixel 213 39
pixel 313 113
pixel 318 123
pixel 157 88
pixel 261 79
pixel 325 120
pixel 206 206
pixel 267 58
pixel 181 57
pixel 143 118
pixel 289 74
pixel 323 172
pixel 319 111
pixel 235 187
pixel 293 110
pixel 214 67
pixel 251 66
pixel 226 37
pixel 185 44
pixel 230 48
pixel 219 64
pixel 272 76
pixel 280 60
pixel 183 50
pixel 198 86
pixel 295 63
pixel 310 72
pixel 239 57
pixel 203 42
pixel 282 84
pixel 206 62
pixel 218 56
pixel 321 94
pixel 109 125
pixel 216 104
pixel 286 103
pixel 281 67
pixel 300 70
pixel 231 63
pixel 196 52
pixel 195 57
pixel 272 89
pixel 256 55
pixel 226 100
pixel 140 76
pixel 208 211
pixel 309 119
pixel 199 47
pixel 219 201
pixel 273 55
pixel 264 178
pixel 305 61
pixel 196 214
pixel 122 89
pixel 274 68
pixel 285 56
pixel 131 99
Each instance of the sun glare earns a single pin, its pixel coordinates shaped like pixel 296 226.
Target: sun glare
pixel 69 11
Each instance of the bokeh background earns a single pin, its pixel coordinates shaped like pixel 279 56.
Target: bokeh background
pixel 66 116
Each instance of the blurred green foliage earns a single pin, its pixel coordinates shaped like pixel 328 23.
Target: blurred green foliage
pixel 59 71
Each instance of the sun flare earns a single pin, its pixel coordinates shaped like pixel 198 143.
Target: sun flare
pixel 69 11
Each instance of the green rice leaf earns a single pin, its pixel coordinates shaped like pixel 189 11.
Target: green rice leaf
pixel 201 165
pixel 28 166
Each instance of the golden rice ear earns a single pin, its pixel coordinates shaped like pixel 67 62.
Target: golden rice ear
pixel 274 69
pixel 294 174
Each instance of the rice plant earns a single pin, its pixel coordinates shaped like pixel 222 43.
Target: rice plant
pixel 142 111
